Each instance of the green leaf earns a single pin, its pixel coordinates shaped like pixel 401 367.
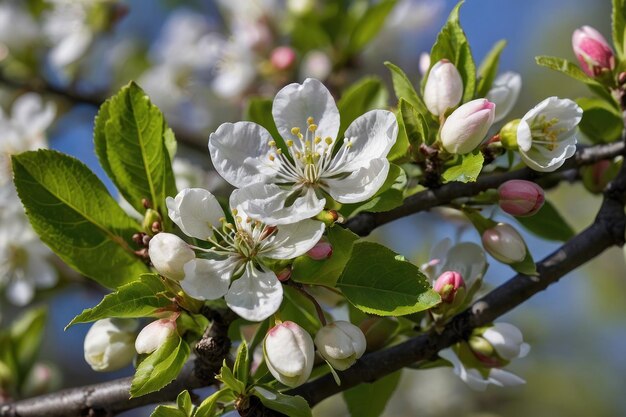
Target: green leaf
pixel 136 299
pixel 366 94
pixel 527 266
pixel 548 224
pixel 183 401
pixel 131 141
pixel 601 121
pixel 376 281
pixel 298 308
pixel 26 335
pixel 573 71
pixel 327 271
pixel 467 170
pixel 293 406
pixel 259 110
pixel 72 212
pixel 489 69
pixel 228 378
pixel 208 407
pixel 415 125
pixel 618 17
pixel 369 400
pixel 242 363
pixel 451 44
pixel 160 367
pixel 168 411
pixel 370 24
pixel 399 152
pixel 404 88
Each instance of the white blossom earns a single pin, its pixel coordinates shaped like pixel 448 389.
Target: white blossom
pixel 546 135
pixel 109 344
pixel 238 251
pixel 66 26
pixel 291 186
pixel 504 93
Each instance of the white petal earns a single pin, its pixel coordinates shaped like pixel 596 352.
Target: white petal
pixel 504 93
pixel 267 203
pixel 468 259
pixel 256 295
pixel 360 184
pixel 372 135
pixel 29 112
pixel 293 240
pixel 504 378
pixel 208 279
pixel 71 48
pixel 20 291
pixel 505 338
pixel 238 152
pixel 195 211
pixel 296 102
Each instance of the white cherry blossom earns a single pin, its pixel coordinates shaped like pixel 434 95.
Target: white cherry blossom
pixel 238 252
pixel 285 184
pixel 546 135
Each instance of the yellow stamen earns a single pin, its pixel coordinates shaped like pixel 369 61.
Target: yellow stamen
pixel 328 140
pixel 310 120
pixel 312 128
pixel 272 143
pixel 317 140
pixel 290 143
pixel 295 131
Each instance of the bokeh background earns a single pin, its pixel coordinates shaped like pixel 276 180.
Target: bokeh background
pixel 577 328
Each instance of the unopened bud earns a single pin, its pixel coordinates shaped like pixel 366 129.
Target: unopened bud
pixel 289 353
pixel 155 227
pixel 593 51
pixel 341 343
pixel 151 217
pixel 467 126
pixel 145 240
pixel 284 274
pixel 520 198
pixel 504 243
pixel 597 176
pixel 283 58
pixel 169 254
pixel 146 203
pixel 621 78
pixel 322 250
pixel 378 331
pixel 151 337
pixel 448 284
pixel 444 88
pixel 138 238
pixel 109 344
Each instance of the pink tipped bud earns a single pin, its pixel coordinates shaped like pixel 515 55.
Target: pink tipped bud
pixel 520 198
pixel 444 88
pixel 151 337
pixel 322 250
pixel 289 353
pixel 467 126
pixel 593 51
pixel 283 58
pixel 447 285
pixel 284 275
pixel 504 243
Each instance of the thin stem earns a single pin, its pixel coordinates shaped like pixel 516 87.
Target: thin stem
pixel 318 308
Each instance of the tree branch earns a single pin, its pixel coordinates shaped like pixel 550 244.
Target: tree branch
pixel 364 223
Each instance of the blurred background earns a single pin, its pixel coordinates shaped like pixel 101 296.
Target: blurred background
pixel 200 60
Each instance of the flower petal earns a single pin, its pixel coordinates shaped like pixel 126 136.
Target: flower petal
pixel 256 295
pixel 238 151
pixel 293 240
pixel 267 203
pixel 195 211
pixel 371 136
pixel 468 259
pixel 504 378
pixel 208 279
pixel 360 184
pixel 30 112
pixel 295 103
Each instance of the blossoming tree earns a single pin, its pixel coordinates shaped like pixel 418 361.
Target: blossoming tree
pixel 269 293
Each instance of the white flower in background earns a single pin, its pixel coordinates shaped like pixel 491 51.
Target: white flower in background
pixel 478 361
pixel 67 29
pixel 17 28
pixel 109 344
pixel 546 135
pixel 288 187
pixel 479 379
pixel 424 63
pixel 238 252
pixel 316 64
pixel 504 93
pixel 24 129
pixel 235 71
pixel 24 260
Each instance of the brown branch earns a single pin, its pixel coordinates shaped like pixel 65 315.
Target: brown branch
pixel 364 223
pixel 41 86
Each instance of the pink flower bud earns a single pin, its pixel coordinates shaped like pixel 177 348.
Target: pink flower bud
pixel 467 126
pixel 520 198
pixel 504 243
pixel 284 274
pixel 447 285
pixel 593 51
pixel 283 58
pixel 322 250
pixel 444 88
pixel 289 353
pixel 151 337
